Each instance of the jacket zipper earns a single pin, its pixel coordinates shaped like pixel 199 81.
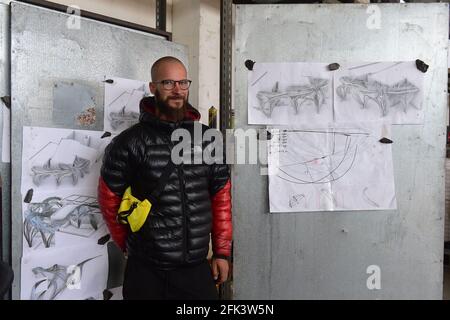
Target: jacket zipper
pixel 183 203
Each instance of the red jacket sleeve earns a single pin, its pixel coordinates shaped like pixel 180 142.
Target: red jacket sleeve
pixel 109 204
pixel 222 227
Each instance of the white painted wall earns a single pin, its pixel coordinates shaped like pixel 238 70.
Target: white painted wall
pixel 185 30
pixel 196 24
pixel 209 57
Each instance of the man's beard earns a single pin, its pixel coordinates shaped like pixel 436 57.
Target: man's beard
pixel 171 113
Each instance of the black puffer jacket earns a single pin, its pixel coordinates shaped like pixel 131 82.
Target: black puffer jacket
pixel 177 232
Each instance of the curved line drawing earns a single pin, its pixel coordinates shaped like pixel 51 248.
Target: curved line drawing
pixel 368 200
pixel 324 168
pixel 391 204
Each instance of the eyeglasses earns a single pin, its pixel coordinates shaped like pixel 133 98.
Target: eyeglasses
pixel 170 84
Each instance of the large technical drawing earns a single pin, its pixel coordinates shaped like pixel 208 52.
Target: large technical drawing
pixel 335 167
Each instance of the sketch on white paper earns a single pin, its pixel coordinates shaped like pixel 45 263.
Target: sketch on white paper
pixel 61 158
pixel 391 91
pixel 289 93
pixel 62 219
pixel 122 99
pixel 59 274
pixel 334 167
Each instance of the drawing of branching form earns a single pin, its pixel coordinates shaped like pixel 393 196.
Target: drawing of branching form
pixel 314 92
pixel 403 93
pixel 54 280
pixel 77 170
pixel 294 96
pixel 268 100
pixel 37 221
pixel 123 118
pixel 55 214
pixel 70 158
pixel 368 200
pixel 362 90
pixel 321 156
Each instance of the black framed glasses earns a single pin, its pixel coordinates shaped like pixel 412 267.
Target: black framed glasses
pixel 170 84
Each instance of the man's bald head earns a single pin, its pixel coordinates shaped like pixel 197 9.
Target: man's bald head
pixel 156 67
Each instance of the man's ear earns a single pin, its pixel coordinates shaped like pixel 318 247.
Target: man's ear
pixel 152 87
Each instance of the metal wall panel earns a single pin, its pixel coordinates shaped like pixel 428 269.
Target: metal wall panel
pixel 5 168
pixel 45 51
pixel 325 255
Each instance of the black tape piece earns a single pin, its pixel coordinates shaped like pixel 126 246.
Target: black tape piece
pixel 109 81
pixel 386 140
pixel 107 295
pixel 249 64
pixel 7 101
pixel 422 66
pixel 104 239
pixel 106 134
pixel 261 137
pixel 334 66
pixel 28 196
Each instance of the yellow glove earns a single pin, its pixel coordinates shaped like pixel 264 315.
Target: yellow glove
pixel 132 211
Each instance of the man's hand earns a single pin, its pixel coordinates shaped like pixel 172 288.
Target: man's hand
pixel 220 270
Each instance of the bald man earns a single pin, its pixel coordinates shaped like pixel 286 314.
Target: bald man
pixel 191 203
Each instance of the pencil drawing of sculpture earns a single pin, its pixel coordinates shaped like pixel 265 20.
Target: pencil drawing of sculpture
pixel 295 96
pixel 363 90
pixel 60 171
pixel 54 280
pixel 123 118
pixel 43 219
